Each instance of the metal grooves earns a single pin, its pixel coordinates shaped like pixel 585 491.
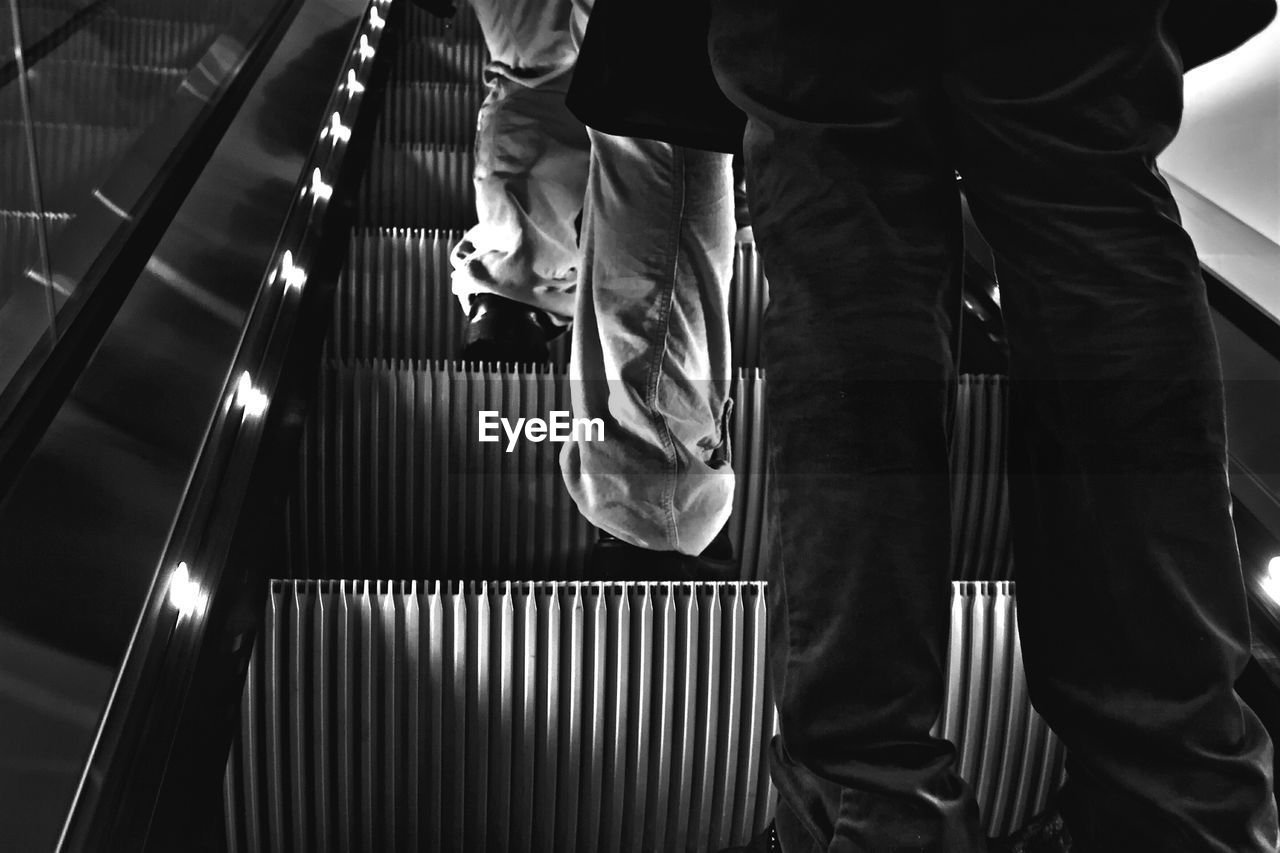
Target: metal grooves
pixel 73 158
pixel 464 26
pixel 524 717
pixel 440 59
pixel 750 458
pixel 392 474
pixel 980 488
pixel 395 300
pixel 387 716
pixel 1007 752
pixel 418 186
pixel 748 298
pixel 393 479
pixel 439 113
pixel 98 93
pixel 140 41
pixel 19 246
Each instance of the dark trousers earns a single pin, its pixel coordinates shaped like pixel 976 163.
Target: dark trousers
pixel 1131 603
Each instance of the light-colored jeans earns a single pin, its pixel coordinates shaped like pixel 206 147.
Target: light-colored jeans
pixel 532 157
pixel 651 354
pixel 647 293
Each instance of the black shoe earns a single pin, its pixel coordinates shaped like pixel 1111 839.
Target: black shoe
pixel 1044 833
pixel 505 331
pixel 613 559
pixel 765 842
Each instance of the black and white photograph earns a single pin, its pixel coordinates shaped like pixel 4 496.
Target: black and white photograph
pixel 639 426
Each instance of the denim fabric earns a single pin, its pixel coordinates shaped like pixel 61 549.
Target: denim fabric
pixel 1131 604
pixel 531 159
pixel 651 354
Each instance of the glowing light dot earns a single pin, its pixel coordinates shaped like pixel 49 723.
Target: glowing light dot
pixel 185 594
pixel 250 398
pixel 1271 581
pixel 319 188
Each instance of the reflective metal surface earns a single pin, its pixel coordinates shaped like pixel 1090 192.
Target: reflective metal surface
pixel 103 96
pixel 85 527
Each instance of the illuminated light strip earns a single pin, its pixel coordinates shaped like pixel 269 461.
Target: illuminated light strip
pixel 319 188
pixel 185 594
pixel 249 397
pixel 1271 580
pixel 291 274
pixel 339 131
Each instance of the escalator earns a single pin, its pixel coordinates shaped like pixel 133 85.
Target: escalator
pixel 435 670
pixel 388 622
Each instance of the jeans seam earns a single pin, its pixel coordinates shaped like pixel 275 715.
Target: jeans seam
pixel 658 364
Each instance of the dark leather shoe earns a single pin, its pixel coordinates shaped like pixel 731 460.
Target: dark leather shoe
pixel 613 559
pixel 505 331
pixel 1044 833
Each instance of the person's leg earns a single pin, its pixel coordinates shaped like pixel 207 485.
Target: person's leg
pixel 531 160
pixel 853 204
pixel 651 345
pixel 1131 603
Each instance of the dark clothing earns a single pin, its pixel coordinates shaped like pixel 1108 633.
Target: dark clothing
pixel 1131 604
pixel 643 68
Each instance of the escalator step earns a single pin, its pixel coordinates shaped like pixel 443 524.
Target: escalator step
pixel 432 113
pixel 391 473
pixel 19 249
pixel 981 539
pixel 421 25
pixel 381 716
pixel 395 299
pixel 73 159
pixel 418 186
pixel 139 41
pixel 95 93
pixel 748 299
pixel 440 59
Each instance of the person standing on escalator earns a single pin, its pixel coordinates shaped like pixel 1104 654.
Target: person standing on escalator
pixel 1131 603
pixel 645 289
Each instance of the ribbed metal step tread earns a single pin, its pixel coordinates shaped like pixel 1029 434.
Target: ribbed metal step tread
pixel 421 25
pixel 432 113
pixel 395 299
pixel 384 716
pixel 440 59
pixel 418 186
pixel 392 474
pixel 95 93
pixel 981 540
pixel 140 41
pixel 19 250
pixel 73 160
